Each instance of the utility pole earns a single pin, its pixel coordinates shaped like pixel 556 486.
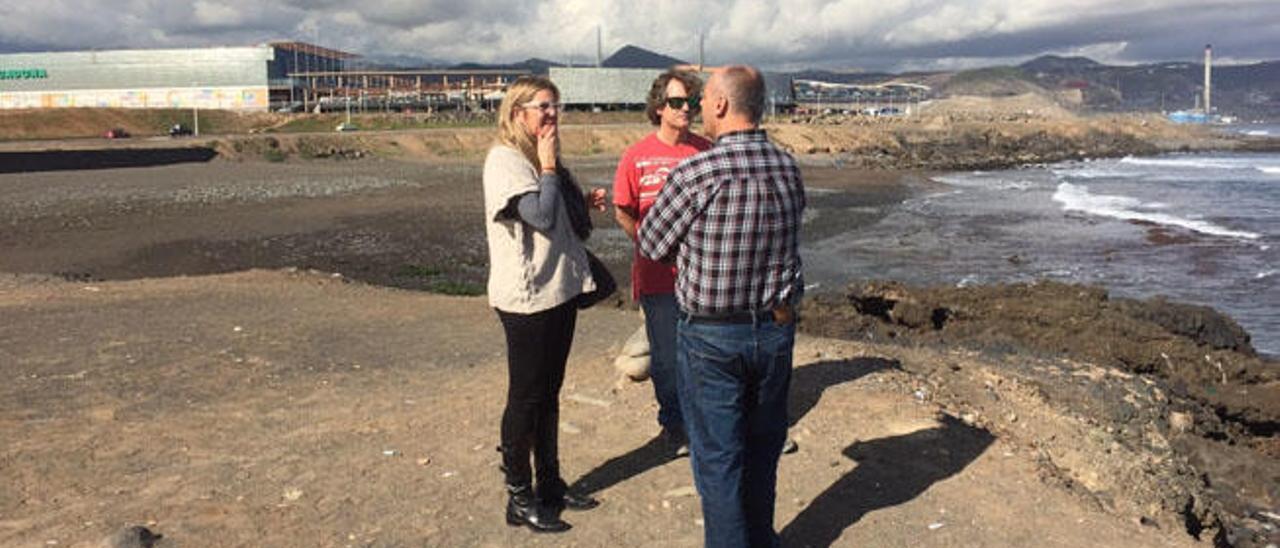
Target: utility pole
pixel 599 48
pixel 195 110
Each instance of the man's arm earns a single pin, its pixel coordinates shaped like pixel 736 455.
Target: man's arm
pixel 626 221
pixel 667 221
pixel 626 199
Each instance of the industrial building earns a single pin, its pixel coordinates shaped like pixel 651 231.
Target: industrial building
pixel 233 78
pixel 875 99
pixel 292 76
pixel 623 80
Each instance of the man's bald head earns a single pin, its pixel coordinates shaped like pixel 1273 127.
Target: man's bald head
pixel 744 87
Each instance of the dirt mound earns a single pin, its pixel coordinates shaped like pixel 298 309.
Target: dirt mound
pixel 1178 388
pixel 1032 104
pixel 69 123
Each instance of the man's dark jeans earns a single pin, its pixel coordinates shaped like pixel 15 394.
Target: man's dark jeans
pixel 733 381
pixel 660 316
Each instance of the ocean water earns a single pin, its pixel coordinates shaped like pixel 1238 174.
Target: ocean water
pixel 1198 228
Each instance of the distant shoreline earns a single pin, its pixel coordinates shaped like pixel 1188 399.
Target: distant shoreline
pixel 955 134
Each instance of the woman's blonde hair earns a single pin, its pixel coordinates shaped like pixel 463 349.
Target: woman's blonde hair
pixel 513 133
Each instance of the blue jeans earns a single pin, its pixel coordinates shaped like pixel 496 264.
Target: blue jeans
pixel 660 317
pixel 734 380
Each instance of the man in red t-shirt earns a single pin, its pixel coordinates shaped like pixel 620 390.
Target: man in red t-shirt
pixel 672 103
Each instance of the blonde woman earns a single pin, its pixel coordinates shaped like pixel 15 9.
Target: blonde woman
pixel 536 217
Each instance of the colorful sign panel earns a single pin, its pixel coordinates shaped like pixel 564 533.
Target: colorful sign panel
pixel 23 74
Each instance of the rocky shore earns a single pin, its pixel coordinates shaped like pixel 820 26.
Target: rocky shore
pixel 1160 410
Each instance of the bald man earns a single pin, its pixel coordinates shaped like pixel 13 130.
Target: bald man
pixel 730 217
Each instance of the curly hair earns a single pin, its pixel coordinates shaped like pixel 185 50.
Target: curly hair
pixel 658 91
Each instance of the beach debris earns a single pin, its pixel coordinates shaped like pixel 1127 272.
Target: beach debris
pixel 390 453
pixel 936 525
pixel 790 447
pixel 1181 422
pixel 588 400
pixel 634 359
pixel 423 461
pixel 569 428
pixel 635 368
pixel 685 491
pixel 133 536
pixel 292 494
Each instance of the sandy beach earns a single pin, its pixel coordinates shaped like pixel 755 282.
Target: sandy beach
pixel 244 352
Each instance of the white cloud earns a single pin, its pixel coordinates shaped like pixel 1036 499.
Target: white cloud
pixel 830 33
pixel 215 14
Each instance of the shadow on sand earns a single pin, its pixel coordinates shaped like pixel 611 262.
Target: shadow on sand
pixel 890 471
pixel 807 386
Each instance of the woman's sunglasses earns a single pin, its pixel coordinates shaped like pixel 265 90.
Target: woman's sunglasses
pixel 544 106
pixel 678 103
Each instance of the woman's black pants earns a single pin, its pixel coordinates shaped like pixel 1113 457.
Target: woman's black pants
pixel 537 349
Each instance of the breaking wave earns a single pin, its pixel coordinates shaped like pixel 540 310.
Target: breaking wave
pixel 1078 198
pixel 978 179
pixel 1201 163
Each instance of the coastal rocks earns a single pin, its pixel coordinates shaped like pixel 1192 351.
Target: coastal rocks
pixel 135 536
pixel 633 361
pixel 1147 407
pixel 1186 344
pixel 891 302
pixel 1201 324
pixel 942 145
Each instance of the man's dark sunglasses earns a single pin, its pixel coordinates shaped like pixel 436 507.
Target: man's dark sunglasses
pixel 678 103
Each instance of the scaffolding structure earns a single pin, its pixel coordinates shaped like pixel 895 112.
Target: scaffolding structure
pixel 404 89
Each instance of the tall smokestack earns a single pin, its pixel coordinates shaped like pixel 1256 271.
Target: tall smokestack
pixel 702 49
pixel 1208 80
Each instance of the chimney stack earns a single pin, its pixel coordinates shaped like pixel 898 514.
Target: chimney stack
pixel 1208 73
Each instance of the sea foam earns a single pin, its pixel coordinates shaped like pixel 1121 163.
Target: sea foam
pixel 1078 198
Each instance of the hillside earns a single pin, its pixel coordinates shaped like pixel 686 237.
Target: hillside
pixel 1250 91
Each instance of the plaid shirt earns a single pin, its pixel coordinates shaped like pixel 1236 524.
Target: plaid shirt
pixel 731 217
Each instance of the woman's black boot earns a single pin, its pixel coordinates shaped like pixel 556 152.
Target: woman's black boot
pixel 555 494
pixel 523 509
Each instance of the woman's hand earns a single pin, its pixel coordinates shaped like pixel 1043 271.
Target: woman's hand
pixel 548 146
pixel 596 199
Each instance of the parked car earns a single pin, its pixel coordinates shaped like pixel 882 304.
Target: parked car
pixel 116 133
pixel 346 127
pixel 179 130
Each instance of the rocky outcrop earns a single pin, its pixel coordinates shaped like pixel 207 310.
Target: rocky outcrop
pixel 1163 410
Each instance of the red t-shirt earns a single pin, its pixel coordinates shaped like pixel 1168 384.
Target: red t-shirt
pixel 641 173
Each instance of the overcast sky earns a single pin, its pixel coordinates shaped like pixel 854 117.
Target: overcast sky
pixel 852 34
